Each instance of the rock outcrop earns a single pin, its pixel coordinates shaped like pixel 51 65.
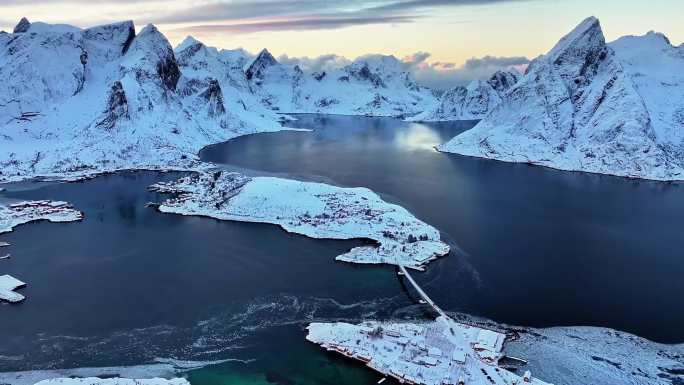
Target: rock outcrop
pixel 22 26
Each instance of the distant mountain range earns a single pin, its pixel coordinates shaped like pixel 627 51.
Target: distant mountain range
pixel 77 102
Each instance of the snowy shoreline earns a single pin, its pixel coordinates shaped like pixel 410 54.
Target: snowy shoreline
pixel 23 212
pixel 161 371
pixel 315 210
pixel 549 167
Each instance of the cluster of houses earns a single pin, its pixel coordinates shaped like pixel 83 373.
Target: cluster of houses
pixel 440 352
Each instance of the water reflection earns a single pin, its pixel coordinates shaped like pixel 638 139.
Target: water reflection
pixel 417 137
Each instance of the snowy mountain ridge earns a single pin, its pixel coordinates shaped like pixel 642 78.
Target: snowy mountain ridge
pixel 376 85
pixel 78 102
pixel 586 105
pixel 473 101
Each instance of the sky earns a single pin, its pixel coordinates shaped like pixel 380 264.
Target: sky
pixel 444 42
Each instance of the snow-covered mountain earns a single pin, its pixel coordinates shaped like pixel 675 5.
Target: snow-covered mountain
pixel 374 85
pixel 590 106
pixel 76 102
pixel 472 102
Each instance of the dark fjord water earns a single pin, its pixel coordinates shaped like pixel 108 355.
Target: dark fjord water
pixel 532 246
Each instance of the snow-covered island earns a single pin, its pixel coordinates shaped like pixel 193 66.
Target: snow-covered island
pixel 439 352
pixel 313 209
pixel 30 211
pixel 8 285
pixel 586 105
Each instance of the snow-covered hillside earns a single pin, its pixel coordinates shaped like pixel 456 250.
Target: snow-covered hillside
pixel 590 106
pixel 375 85
pixel 472 102
pixel 76 102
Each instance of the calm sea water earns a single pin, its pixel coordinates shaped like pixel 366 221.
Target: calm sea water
pixel 532 246
pixel 538 247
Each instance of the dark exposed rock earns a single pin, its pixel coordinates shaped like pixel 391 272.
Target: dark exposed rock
pixel 22 26
pixel 262 61
pixel 121 34
pixel 214 98
pixel 168 71
pixel 129 39
pixel 319 75
pixel 503 80
pixel 367 75
pixel 185 56
pixel 326 102
pixel 153 58
pixel 117 107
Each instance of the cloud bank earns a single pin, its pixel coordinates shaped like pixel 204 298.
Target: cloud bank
pixel 248 16
pixel 442 75
pixel 436 75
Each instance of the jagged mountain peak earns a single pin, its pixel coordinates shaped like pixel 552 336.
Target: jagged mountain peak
pixel 119 34
pixel 263 60
pixel 151 30
pixel 39 27
pixel 265 55
pixel 588 33
pixel 22 26
pixel 150 42
pixel 590 106
pixel 150 53
pixel 578 55
pixel 189 41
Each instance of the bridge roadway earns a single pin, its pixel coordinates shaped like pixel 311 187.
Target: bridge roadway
pixel 422 294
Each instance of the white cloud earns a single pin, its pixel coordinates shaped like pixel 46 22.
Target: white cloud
pixel 442 75
pixel 437 75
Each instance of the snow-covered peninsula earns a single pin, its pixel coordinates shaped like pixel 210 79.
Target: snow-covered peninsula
pixel 313 209
pixel 18 213
pixel 586 105
pixel 429 353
